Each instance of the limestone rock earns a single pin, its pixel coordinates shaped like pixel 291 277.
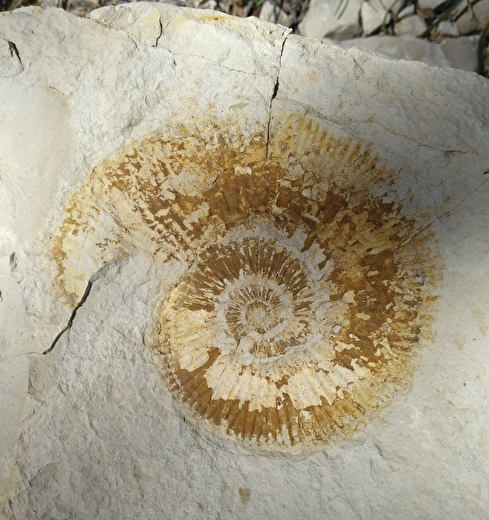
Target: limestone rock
pixel 447 28
pixel 475 18
pixel 337 19
pixel 271 12
pixel 429 4
pixel 50 3
pixel 397 7
pixel 409 10
pixel 459 9
pixel 461 53
pixel 373 15
pixel 458 53
pixel 241 273
pixel 412 25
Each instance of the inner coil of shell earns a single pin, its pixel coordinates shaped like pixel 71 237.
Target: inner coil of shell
pixel 301 299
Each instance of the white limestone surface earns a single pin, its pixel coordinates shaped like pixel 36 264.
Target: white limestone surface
pixel 91 425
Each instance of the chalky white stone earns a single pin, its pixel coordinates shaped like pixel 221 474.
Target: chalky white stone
pixel 146 149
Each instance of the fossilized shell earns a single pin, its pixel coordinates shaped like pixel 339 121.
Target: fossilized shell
pixel 299 292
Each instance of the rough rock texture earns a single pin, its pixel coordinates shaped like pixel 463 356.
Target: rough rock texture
pixel 243 274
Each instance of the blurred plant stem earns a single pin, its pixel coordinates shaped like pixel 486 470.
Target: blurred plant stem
pixel 481 47
pixel 383 29
pixel 14 5
pixel 443 16
pixel 338 7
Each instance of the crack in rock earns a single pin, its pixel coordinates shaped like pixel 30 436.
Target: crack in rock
pixel 72 318
pixel 14 52
pixel 159 35
pixel 275 90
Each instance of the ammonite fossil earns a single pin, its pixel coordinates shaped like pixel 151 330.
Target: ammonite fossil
pixel 299 292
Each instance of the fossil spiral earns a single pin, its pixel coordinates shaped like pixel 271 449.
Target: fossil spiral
pixel 300 294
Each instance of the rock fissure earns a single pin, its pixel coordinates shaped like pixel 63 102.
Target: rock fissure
pixel 72 318
pixel 219 63
pixel 400 134
pixel 275 91
pixel 446 214
pixel 159 35
pixel 467 196
pixel 15 52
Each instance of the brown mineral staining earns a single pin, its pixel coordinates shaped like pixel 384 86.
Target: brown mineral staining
pixel 244 495
pixel 303 298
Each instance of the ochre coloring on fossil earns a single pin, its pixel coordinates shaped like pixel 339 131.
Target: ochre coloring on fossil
pixel 302 297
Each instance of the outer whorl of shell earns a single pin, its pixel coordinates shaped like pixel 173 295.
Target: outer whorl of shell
pixel 299 298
